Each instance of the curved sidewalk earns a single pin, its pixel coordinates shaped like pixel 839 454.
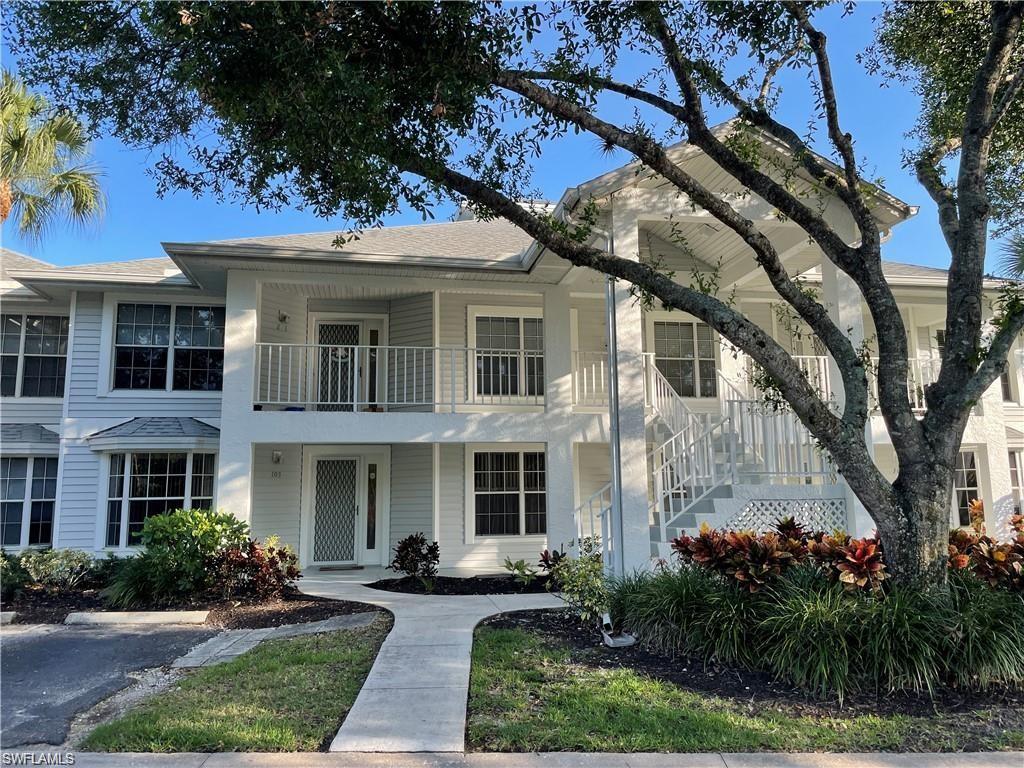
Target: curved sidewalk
pixel 414 699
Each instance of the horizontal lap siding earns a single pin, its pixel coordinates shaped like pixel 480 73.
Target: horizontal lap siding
pixel 276 500
pixel 78 509
pixel 411 324
pixel 83 401
pixel 484 554
pixel 412 491
pixel 288 384
pixel 453 329
pixel 590 326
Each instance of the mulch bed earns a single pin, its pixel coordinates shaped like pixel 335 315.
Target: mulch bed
pixel 36 606
pixel 756 691
pixel 470 585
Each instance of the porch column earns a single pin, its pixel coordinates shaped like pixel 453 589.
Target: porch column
pixel 996 488
pixel 844 302
pixel 636 543
pixel 235 461
pixel 558 400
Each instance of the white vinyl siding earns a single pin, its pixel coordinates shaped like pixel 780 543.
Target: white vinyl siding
pixel 412 491
pixel 276 493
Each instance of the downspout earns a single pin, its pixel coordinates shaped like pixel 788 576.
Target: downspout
pixel 616 526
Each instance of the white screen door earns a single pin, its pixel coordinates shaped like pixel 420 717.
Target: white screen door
pixel 335 510
pixel 336 369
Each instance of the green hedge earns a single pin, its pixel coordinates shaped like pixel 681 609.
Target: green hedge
pixel 806 629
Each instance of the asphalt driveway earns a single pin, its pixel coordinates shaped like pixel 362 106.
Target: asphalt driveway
pixel 50 673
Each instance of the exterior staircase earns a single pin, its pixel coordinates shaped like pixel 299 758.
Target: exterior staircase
pixel 743 468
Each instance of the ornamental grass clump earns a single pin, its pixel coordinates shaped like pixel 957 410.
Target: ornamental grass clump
pixel 818 611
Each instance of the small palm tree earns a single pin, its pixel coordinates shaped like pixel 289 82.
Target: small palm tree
pixel 43 176
pixel 1012 262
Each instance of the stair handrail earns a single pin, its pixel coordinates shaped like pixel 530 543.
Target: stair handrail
pixel 601 501
pixel 666 402
pixel 681 462
pixel 777 441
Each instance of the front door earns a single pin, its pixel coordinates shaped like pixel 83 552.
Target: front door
pixel 337 371
pixel 335 511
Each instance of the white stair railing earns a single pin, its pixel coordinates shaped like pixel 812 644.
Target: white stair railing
pixel 775 445
pixel 593 518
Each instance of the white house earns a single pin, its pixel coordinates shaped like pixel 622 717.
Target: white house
pixel 448 378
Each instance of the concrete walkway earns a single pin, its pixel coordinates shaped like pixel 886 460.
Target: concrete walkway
pixel 414 699
pixel 546 760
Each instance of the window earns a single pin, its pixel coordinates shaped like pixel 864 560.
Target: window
pixel 28 493
pixel 1006 385
pixel 685 354
pixel 965 485
pixel 144 484
pixel 1017 478
pixel 510 356
pixel 34 352
pixel 509 493
pixel 163 346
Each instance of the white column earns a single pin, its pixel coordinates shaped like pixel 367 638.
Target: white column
pixel 843 299
pixel 636 543
pixel 995 465
pixel 558 401
pixel 235 461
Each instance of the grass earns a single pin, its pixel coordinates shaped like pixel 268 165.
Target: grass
pixel 527 694
pixel 283 696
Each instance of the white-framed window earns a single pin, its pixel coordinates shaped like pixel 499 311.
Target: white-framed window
pixel 509 489
pixel 1016 456
pixel 33 355
pixel 509 352
pixel 28 494
pixel 168 347
pixel 965 485
pixel 141 484
pixel 684 352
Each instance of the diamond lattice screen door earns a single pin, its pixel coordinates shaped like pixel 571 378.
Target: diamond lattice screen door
pixel 336 370
pixel 335 509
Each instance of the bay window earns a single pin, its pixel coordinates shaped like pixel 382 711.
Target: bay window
pixel 33 355
pixel 141 485
pixel 509 493
pixel 169 347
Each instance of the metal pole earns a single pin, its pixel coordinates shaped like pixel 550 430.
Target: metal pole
pixel 613 418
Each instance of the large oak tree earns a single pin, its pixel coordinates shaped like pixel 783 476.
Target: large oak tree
pixel 360 109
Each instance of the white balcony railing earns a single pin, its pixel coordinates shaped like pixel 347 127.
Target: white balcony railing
pixel 377 378
pixel 590 378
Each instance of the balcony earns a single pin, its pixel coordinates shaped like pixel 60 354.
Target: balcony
pixel 351 378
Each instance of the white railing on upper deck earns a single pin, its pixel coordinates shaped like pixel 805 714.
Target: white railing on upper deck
pixel 370 378
pixel 921 373
pixel 590 378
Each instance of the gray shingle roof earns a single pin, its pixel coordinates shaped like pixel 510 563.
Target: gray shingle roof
pixel 470 239
pixel 27 433
pixel 158 267
pixel 160 426
pixel 12 261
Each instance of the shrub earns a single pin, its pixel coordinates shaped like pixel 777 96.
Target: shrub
pixel 581 582
pixel 57 569
pixel 104 570
pixel 177 562
pixel 255 570
pixel 520 571
pixel 417 559
pixel 549 559
pixel 13 578
pixel 985 645
pixel 751 560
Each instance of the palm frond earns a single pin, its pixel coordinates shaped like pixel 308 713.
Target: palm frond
pixel 1011 262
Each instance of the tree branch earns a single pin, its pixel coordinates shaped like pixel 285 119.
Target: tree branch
pixel 927 170
pixel 1011 92
pixel 994 364
pixel 653 155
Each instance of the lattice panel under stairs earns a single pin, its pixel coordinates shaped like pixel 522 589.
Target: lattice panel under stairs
pixel 813 514
pixel 334 527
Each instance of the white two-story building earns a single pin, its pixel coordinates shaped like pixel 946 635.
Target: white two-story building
pixel 448 378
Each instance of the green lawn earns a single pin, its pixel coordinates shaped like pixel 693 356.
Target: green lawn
pixel 527 695
pixel 283 696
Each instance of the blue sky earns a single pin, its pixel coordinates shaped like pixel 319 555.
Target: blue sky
pixel 136 220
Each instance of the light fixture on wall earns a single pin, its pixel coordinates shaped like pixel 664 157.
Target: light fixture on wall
pixel 282 320
pixel 275 457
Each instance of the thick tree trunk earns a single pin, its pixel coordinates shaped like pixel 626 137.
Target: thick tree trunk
pixel 915 533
